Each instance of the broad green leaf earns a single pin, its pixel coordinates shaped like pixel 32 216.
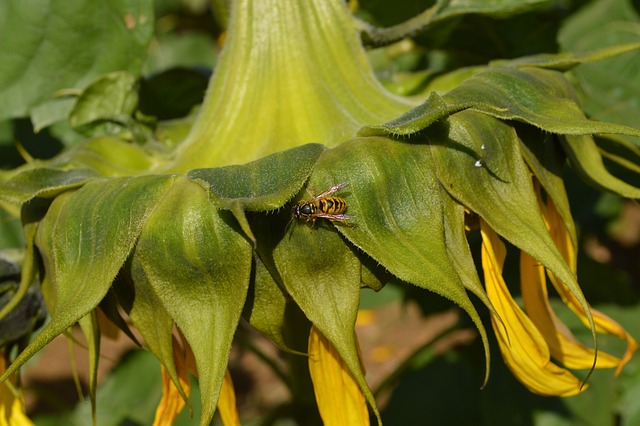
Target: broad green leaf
pixel 586 160
pixel 460 255
pixel 198 265
pixel 269 308
pixel 180 50
pixel 108 156
pixel 416 119
pixel 322 275
pixel 535 96
pixel 42 182
pixel 264 184
pixel 50 45
pixel 620 151
pixel 266 305
pixel 395 199
pixel 611 88
pixel 151 319
pixel 84 240
pixel 569 60
pixel 50 112
pixel 10 226
pixel 478 162
pixel 112 98
pixel 545 158
pixel 458 247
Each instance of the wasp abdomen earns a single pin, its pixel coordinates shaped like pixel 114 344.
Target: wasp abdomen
pixel 332 205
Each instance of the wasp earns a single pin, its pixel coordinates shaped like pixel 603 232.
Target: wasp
pixel 322 206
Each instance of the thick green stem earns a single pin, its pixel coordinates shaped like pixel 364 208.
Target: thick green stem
pixel 292 72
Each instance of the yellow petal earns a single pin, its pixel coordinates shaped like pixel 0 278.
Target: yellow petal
pixel 523 348
pixel 563 345
pixel 11 407
pixel 172 403
pixel 339 397
pixel 227 402
pixel 604 324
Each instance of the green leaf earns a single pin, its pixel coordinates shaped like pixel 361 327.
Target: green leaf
pixel 51 111
pixel 10 229
pixel 266 305
pixel 42 182
pixel 586 160
pixel 416 119
pixel 322 275
pixel 151 319
pixel 198 265
pixel 611 88
pixel 264 184
pixel 181 50
pixel 620 151
pixel 50 45
pixel 84 240
pixel 395 198
pixel 478 162
pixel 546 159
pixel 532 95
pixel 536 96
pixel 108 156
pixel 112 97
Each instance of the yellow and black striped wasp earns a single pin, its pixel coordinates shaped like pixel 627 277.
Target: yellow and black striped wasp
pixel 323 206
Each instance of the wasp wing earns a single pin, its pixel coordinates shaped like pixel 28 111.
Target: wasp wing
pixel 335 188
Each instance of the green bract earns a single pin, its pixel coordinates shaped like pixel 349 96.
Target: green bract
pixel 195 237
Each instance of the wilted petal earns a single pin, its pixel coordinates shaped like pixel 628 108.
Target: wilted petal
pixel 523 348
pixel 604 324
pixel 172 403
pixel 227 402
pixel 339 397
pixel 563 345
pixel 11 408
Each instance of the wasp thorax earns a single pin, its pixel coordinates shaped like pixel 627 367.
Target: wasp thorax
pixel 306 209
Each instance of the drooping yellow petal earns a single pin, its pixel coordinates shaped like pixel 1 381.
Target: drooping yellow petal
pixel 563 345
pixel 339 397
pixel 522 346
pixel 604 324
pixel 172 403
pixel 227 402
pixel 11 406
pixel 185 363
